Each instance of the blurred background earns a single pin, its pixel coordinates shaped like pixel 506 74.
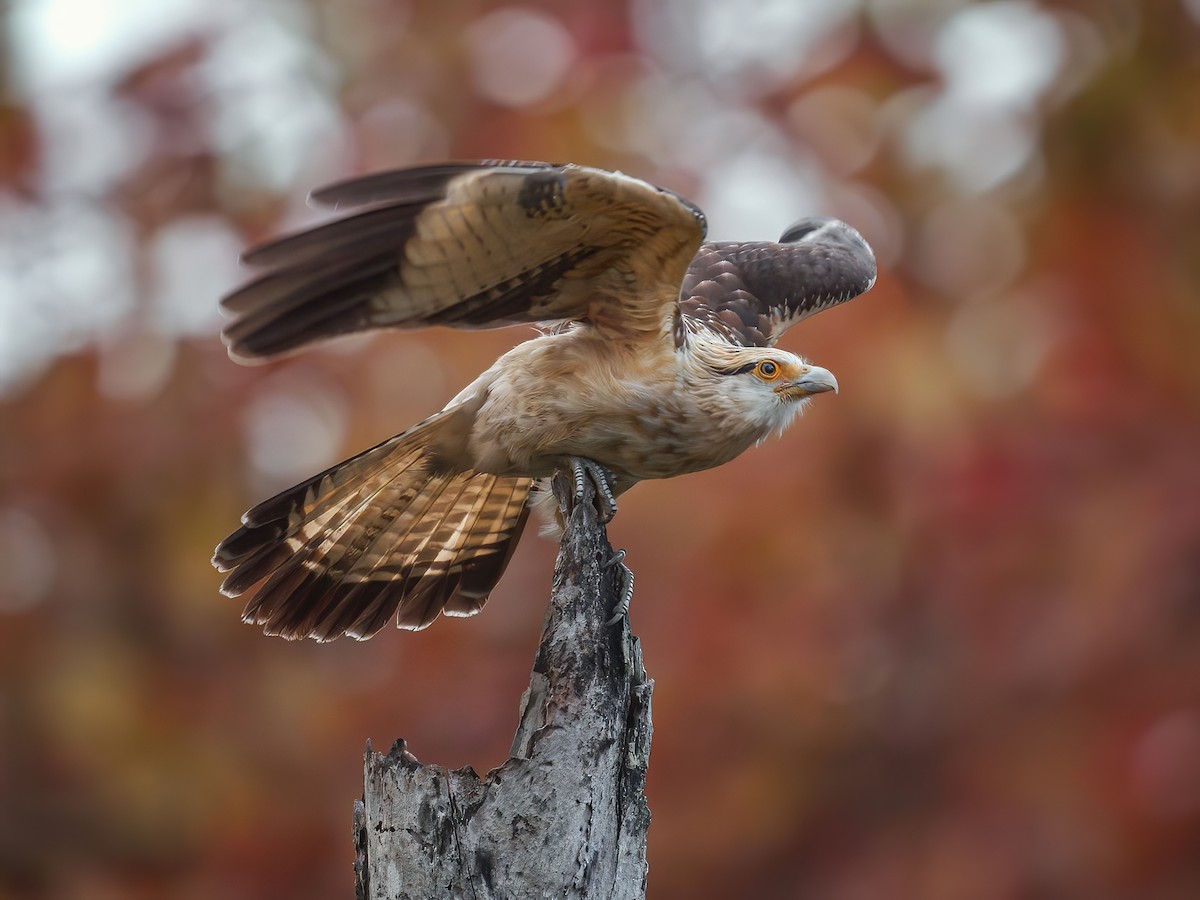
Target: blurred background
pixel 941 641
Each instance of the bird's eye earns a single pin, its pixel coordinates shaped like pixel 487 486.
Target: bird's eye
pixel 767 370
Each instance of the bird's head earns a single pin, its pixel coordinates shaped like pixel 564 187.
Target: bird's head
pixel 767 384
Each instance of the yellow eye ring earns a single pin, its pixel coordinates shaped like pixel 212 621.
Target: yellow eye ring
pixel 768 370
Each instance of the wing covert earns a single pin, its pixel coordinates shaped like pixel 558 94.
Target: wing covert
pixel 751 293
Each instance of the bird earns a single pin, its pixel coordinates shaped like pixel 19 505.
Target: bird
pixel 655 356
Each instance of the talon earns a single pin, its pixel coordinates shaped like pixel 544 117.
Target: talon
pixel 617 557
pixel 621 611
pixel 580 474
pixel 604 480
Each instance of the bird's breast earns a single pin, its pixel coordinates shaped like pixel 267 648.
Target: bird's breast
pixel 632 409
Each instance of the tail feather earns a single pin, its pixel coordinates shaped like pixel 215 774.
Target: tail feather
pixel 308 503
pixel 348 553
pixel 435 572
pixel 391 532
pixel 481 572
pixel 476 555
pixel 391 553
pixel 345 612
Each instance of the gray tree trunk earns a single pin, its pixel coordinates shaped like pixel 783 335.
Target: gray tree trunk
pixel 566 815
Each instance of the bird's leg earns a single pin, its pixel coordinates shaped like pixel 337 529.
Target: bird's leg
pixel 582 470
pixel 604 480
pixel 621 610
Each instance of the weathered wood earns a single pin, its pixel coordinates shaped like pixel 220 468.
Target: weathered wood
pixel 566 815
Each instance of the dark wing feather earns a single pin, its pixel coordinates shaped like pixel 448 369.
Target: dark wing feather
pixel 413 185
pixel 471 245
pixel 751 293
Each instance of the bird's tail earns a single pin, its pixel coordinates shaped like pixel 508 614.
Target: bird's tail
pixel 392 531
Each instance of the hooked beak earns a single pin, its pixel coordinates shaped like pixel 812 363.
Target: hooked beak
pixel 814 381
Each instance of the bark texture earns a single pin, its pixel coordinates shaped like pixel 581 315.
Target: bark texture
pixel 566 815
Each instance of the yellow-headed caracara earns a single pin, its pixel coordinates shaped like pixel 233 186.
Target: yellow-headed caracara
pixel 658 358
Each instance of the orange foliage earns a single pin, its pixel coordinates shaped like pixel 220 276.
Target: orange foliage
pixel 941 641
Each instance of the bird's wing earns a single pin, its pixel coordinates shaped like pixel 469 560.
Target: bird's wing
pixel 471 245
pixel 752 293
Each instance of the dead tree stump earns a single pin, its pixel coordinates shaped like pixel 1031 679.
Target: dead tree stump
pixel 566 815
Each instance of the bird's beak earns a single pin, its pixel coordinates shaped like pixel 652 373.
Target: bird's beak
pixel 814 381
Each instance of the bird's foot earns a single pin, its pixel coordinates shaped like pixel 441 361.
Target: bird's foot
pixel 622 608
pixel 606 500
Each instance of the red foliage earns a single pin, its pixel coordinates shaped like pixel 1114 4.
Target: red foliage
pixel 941 640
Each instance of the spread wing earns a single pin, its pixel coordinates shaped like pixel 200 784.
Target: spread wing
pixel 752 293
pixel 471 245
